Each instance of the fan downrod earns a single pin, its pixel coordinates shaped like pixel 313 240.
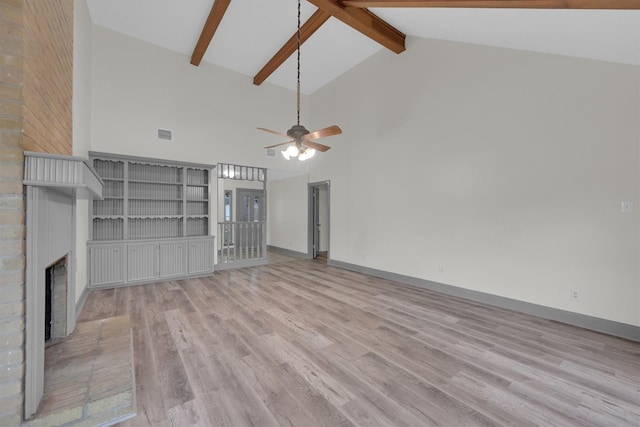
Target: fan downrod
pixel 304 140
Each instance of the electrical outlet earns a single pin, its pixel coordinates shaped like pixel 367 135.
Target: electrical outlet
pixel 441 269
pixel 626 207
pixel 574 295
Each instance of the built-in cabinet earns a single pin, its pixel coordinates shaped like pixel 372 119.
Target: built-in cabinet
pixel 173 258
pixel 114 263
pixel 200 256
pixel 107 264
pixel 153 222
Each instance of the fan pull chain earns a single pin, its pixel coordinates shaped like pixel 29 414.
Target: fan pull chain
pixel 298 89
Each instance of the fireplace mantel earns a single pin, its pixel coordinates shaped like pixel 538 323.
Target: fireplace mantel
pixel 63 173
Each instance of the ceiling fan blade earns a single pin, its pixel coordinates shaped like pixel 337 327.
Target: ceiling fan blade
pixel 278 145
pixel 274 132
pixel 316 145
pixel 322 133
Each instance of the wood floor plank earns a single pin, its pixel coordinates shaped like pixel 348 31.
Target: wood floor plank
pixel 151 406
pixel 189 414
pixel 215 370
pixel 174 383
pixel 310 387
pixel 325 384
pixel 370 405
pixel 305 344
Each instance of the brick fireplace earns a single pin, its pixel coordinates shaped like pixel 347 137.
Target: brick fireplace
pixel 36 93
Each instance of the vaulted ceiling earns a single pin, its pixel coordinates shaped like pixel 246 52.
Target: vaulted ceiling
pixel 258 37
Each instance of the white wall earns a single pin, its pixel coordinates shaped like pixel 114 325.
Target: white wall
pixel 287 213
pixel 503 168
pixel 138 87
pixel 82 29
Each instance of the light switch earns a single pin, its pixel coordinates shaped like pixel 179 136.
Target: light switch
pixel 626 207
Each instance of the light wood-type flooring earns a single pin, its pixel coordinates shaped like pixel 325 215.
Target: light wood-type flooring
pixel 305 344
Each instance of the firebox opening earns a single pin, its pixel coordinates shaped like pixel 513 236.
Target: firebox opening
pixel 48 303
pixel 55 316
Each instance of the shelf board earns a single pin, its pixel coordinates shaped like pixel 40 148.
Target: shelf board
pixel 155 216
pixel 157 199
pixel 148 187
pixel 145 181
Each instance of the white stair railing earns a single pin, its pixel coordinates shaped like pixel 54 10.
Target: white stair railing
pixel 241 241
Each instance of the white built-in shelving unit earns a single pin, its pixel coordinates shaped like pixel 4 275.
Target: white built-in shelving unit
pixel 153 222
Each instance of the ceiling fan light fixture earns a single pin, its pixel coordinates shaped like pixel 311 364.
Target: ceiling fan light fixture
pixel 291 151
pixel 307 154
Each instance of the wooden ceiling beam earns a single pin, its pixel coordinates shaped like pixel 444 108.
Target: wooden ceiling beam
pixel 365 22
pixel 506 4
pixel 215 17
pixel 306 30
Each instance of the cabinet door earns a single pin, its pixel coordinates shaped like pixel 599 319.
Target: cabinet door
pixel 142 261
pixel 106 264
pixel 200 256
pixel 173 259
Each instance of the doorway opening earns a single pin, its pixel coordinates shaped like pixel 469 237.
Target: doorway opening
pixel 319 215
pixel 242 216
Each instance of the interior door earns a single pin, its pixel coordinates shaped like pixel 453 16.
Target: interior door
pixel 250 206
pixel 318 227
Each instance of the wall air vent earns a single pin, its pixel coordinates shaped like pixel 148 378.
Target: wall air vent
pixel 165 135
pixel 271 152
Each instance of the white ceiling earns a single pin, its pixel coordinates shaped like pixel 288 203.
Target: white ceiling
pixel 252 31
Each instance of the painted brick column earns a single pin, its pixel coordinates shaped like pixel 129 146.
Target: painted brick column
pixel 12 231
pixel 36 79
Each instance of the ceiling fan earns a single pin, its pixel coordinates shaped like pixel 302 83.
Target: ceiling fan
pixel 304 145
